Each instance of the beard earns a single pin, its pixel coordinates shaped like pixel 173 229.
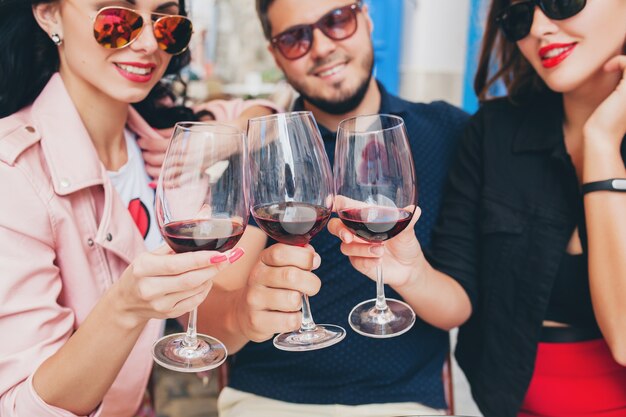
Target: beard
pixel 347 101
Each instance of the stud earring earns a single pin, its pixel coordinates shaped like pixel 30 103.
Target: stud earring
pixel 56 39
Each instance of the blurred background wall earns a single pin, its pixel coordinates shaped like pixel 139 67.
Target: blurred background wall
pixel 425 49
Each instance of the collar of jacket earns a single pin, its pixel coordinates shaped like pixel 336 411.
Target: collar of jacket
pixel 71 157
pixel 74 164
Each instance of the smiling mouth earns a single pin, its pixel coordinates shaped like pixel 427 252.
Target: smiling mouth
pixel 556 52
pixel 135 70
pixel 330 71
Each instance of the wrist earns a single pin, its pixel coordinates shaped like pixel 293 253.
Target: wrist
pixel 235 318
pixel 417 275
pixel 120 312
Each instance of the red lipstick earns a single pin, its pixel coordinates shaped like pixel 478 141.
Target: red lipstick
pixel 553 54
pixel 125 69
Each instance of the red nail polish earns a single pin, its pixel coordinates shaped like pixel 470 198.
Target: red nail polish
pixel 152 184
pixel 218 259
pixel 236 254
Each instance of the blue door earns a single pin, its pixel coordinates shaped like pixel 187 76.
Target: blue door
pixel 387 18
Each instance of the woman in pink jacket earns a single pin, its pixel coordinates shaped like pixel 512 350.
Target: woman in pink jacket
pixel 81 299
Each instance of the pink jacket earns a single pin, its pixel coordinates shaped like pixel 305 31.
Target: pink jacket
pixel 65 237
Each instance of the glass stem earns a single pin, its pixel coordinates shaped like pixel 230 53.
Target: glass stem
pixel 381 303
pixel 307 318
pixel 191 340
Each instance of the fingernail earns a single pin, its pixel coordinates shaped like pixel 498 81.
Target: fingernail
pixel 152 184
pixel 218 259
pixel 236 254
pixel 376 250
pixel 317 261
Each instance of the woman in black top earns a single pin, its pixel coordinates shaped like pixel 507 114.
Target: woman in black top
pixel 529 250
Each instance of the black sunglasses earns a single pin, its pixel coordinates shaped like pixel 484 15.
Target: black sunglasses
pixel 517 19
pixel 338 24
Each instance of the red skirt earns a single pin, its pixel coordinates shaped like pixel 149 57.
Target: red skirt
pixel 578 379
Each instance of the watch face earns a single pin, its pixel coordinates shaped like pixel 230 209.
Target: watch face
pixel 619 184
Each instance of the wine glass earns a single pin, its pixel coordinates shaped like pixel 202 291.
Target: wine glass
pixel 292 200
pixel 375 198
pixel 202 203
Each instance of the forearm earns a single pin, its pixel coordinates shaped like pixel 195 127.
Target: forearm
pixel 77 377
pixel 435 297
pixel 219 317
pixel 220 314
pixel 251 112
pixel 606 234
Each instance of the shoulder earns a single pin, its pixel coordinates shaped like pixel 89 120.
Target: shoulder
pixel 23 171
pixel 17 134
pixel 503 111
pixel 27 210
pixel 440 116
pixel 438 123
pixel 441 110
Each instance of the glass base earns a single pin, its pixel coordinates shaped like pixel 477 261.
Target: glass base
pixel 170 352
pixel 323 335
pixel 369 321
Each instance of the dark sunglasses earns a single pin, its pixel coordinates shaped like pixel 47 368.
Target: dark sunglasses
pixel 117 27
pixel 338 24
pixel 517 19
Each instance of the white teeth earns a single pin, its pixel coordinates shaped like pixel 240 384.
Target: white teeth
pixel 555 52
pixel 135 70
pixel 332 71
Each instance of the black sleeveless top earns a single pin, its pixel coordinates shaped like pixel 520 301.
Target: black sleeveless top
pixel 570 299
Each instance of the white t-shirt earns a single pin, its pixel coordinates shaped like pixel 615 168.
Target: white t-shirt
pixel 131 182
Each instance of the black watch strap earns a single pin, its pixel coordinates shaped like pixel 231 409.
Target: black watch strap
pixel 613 184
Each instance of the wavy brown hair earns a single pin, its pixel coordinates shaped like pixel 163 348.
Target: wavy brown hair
pixel 511 67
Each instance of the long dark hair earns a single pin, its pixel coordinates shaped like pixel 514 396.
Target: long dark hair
pixel 28 58
pixel 519 77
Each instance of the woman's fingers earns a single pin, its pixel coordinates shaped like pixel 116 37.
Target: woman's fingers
pixel 156 144
pixel 154 287
pixel 185 302
pixel 337 228
pixel 617 63
pixel 362 250
pixel 154 159
pixel 154 264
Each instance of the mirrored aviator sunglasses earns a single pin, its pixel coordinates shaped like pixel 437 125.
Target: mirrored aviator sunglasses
pixel 517 19
pixel 118 27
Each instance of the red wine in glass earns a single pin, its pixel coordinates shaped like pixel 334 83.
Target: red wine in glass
pixel 375 197
pixel 290 222
pixel 375 224
pixel 202 203
pixel 192 235
pixel 292 199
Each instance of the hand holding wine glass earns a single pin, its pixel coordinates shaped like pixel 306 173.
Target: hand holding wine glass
pixel 292 200
pixel 201 204
pixel 400 257
pixel 376 199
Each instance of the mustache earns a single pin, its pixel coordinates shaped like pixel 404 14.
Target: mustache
pixel 335 57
